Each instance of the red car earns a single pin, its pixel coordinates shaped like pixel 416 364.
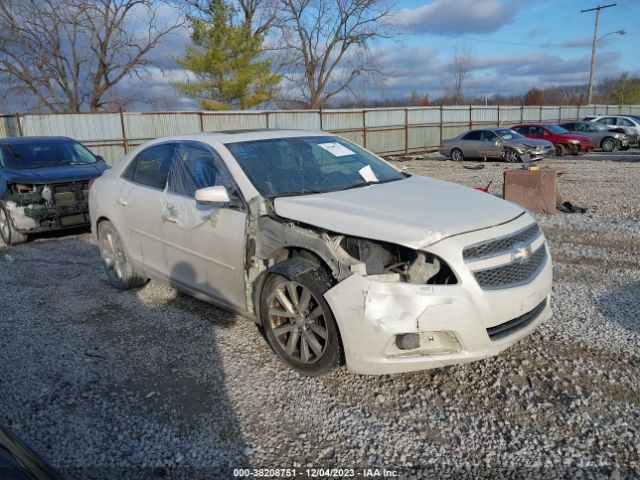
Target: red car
pixel 564 140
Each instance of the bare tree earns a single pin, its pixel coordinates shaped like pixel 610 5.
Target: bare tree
pixel 461 66
pixel 326 44
pixel 68 54
pixel 258 15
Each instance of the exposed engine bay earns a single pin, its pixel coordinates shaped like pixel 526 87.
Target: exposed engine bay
pixel 47 207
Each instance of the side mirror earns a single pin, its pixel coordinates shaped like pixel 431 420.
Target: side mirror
pixel 100 158
pixel 213 195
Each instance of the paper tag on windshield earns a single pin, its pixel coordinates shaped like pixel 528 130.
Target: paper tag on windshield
pixel 336 149
pixel 367 174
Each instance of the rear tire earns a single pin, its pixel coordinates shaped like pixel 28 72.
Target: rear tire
pixel 457 155
pixel 9 234
pixel 298 322
pixel 608 144
pixel 121 273
pixel 560 150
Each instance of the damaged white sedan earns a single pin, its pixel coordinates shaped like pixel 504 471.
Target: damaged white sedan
pixel 339 256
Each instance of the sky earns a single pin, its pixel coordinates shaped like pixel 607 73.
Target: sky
pixel 515 44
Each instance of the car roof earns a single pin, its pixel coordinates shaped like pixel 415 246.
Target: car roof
pixel 28 140
pixel 243 135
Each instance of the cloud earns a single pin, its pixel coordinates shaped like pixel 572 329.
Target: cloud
pixel 444 16
pixel 423 70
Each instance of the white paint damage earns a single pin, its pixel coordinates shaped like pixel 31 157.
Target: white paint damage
pixel 18 217
pixel 415 212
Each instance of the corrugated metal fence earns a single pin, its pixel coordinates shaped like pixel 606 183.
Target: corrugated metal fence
pixel 383 130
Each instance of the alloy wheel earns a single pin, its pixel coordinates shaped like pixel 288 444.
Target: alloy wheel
pixel 112 255
pixel 297 322
pixel 608 145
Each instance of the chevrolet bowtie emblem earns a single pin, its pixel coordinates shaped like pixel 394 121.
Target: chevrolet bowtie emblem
pixel 521 253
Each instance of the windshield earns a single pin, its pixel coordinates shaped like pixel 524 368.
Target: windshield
pixel 556 129
pixel 508 134
pixel 45 154
pixel 301 165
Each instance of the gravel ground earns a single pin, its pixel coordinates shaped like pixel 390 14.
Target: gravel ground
pixel 154 384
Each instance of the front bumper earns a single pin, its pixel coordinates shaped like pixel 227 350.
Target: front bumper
pixel 455 320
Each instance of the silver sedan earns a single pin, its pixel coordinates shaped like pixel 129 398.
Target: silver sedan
pixel 607 137
pixel 496 143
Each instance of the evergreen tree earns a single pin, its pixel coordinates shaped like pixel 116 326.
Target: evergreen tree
pixel 226 61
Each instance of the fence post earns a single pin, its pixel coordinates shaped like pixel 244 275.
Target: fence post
pixel 201 121
pixel 441 125
pixel 20 132
pixel 364 127
pixel 541 113
pixel 125 142
pixel 521 113
pixel 498 118
pixel 559 113
pixel 321 129
pixel 266 114
pixel 470 117
pixel 406 130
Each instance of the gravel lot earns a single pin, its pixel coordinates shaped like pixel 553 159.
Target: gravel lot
pixel 154 384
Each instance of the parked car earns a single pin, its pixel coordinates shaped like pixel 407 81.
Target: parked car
pixel 330 248
pixel 630 124
pixel 44 185
pixel 563 140
pixel 19 462
pixel 495 143
pixel 606 137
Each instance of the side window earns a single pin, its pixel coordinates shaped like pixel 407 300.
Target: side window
pixel 522 130
pixel 488 136
pixel 196 167
pixel 625 123
pixel 607 121
pixel 475 135
pixel 151 166
pixel 572 127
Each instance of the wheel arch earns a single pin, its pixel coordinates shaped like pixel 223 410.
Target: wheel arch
pixel 290 262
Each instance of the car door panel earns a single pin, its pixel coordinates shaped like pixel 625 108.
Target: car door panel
pixel 203 245
pixel 139 202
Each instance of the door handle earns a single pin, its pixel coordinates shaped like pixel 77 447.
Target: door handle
pixel 122 201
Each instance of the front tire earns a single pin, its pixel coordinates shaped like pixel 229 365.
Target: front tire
pixel 560 150
pixel 457 155
pixel 298 322
pixel 121 273
pixel 10 236
pixel 608 144
pixel 512 156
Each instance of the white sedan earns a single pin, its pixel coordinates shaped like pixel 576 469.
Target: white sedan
pixel 339 256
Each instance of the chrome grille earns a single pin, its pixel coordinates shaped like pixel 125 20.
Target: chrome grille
pixel 500 245
pixel 512 274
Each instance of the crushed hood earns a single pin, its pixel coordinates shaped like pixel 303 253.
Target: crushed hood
pixel 530 142
pixel 414 212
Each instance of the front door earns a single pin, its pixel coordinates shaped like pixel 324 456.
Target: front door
pixel 203 245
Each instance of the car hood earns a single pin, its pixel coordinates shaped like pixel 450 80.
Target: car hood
pixel 415 212
pixel 530 142
pixel 66 173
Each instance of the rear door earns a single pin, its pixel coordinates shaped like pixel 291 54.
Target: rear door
pixel 203 245
pixel 139 202
pixel 470 144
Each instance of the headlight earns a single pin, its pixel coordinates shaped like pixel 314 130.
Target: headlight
pixel 412 266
